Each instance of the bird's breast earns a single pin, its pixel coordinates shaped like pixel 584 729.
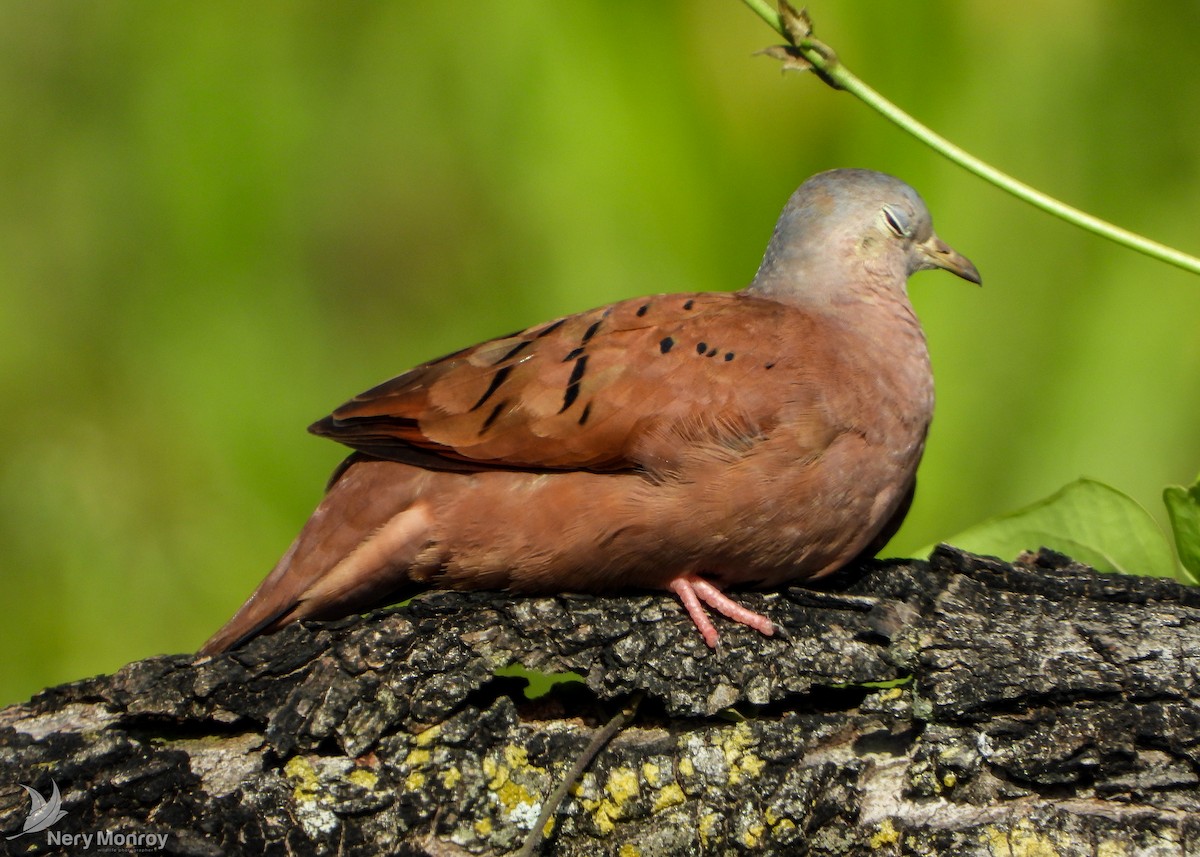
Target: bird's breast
pixel 835 469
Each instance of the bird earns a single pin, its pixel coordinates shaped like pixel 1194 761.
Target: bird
pixel 691 442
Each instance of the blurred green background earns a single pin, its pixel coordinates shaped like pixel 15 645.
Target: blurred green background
pixel 222 219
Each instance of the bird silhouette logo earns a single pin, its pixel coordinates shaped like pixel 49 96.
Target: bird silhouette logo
pixel 42 812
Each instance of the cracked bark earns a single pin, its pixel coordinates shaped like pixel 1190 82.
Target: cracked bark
pixel 1043 709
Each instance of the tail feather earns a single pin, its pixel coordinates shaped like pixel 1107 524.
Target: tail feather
pixel 353 554
pixel 273 599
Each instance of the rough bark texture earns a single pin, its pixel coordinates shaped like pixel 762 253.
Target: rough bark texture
pixel 1029 709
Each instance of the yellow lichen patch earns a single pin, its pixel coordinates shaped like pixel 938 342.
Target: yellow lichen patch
pixel 628 850
pixel 783 826
pixel 1109 848
pixel 886 835
pixel 517 757
pixel 650 773
pixel 753 835
pixel 949 781
pixel 604 817
pixel 418 758
pixel 622 784
pixel 505 784
pixel 892 693
pixel 602 812
pixel 424 739
pixel 686 768
pixel 301 770
pixel 312 810
pixel 736 744
pixel 451 777
pixel 513 794
pixel 778 824
pixel 708 824
pixel 363 777
pixel 483 828
pixel 668 796
pixel 415 761
pixel 1021 841
pixel 752 764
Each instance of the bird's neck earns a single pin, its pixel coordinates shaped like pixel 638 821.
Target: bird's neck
pixel 834 289
pixel 873 302
pixel 830 272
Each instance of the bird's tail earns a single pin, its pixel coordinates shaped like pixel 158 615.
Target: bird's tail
pixel 353 554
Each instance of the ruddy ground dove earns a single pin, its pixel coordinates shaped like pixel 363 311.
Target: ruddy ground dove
pixel 685 442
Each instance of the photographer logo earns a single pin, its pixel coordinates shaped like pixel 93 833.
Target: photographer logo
pixel 42 812
pixel 45 813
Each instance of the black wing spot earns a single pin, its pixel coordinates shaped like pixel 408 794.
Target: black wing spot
pixel 572 354
pixel 712 351
pixel 701 347
pixel 728 356
pixel 514 351
pixel 491 418
pixel 577 372
pixel 769 366
pixel 572 392
pixel 666 344
pixel 497 379
pixel 642 310
pixel 591 331
pixel 689 303
pixel 549 329
pixel 587 412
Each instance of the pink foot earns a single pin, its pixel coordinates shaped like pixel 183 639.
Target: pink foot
pixel 693 589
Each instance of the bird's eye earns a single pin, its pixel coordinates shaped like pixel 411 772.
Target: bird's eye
pixel 896 221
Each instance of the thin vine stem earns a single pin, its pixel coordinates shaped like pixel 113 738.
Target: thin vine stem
pixel 533 840
pixel 830 69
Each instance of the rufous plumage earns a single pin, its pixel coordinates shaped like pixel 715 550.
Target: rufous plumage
pixel 690 442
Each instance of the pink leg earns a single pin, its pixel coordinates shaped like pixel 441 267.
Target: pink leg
pixel 692 589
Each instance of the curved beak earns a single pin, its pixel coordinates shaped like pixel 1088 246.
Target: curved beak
pixel 936 253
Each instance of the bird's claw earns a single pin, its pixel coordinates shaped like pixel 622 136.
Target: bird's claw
pixel 691 589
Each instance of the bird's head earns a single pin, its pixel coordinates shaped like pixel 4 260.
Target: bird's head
pixel 847 229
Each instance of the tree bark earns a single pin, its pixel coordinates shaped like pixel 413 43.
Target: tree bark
pixel 963 706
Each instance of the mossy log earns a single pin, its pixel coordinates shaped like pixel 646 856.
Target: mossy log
pixel 962 706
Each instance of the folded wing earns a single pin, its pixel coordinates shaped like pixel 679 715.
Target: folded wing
pixel 616 388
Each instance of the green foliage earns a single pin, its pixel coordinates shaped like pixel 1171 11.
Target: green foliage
pixel 1183 508
pixel 539 683
pixel 1098 525
pixel 886 684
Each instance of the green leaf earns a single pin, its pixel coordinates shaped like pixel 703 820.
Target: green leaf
pixel 1087 520
pixel 886 684
pixel 1183 508
pixel 540 683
